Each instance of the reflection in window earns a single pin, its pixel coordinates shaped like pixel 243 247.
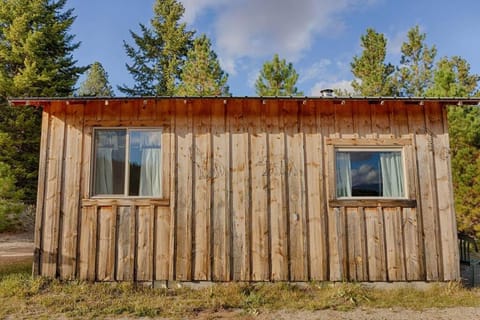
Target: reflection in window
pixel 141 156
pixel 369 174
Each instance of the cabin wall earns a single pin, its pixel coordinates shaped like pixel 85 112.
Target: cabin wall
pixel 248 194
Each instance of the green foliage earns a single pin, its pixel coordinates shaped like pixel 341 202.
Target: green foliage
pixel 350 295
pixel 19 146
pixel 36 50
pixel 373 77
pixel 10 207
pixel 202 75
pixel 96 83
pixel 452 78
pixel 277 78
pixel 35 60
pixel 159 52
pixel 415 73
pixel 342 92
pixel 16 268
pixel 464 130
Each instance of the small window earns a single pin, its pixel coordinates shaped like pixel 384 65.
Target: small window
pixel 369 173
pixel 127 162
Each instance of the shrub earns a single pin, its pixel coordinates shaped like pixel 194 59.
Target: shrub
pixel 10 206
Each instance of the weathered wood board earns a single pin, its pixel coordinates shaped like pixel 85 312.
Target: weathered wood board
pixel 248 193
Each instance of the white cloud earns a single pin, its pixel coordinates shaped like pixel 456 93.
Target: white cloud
pixel 258 29
pixel 326 74
pixel 252 77
pixel 394 43
pixel 340 84
pixel 193 8
pixel 317 69
pixel 252 28
pixel 366 174
pixel 228 64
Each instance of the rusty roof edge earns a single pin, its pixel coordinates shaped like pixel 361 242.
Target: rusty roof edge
pixel 37 101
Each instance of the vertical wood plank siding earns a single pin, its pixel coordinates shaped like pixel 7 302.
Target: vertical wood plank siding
pixel 247 194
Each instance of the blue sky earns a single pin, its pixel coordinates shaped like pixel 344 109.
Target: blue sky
pixel 320 37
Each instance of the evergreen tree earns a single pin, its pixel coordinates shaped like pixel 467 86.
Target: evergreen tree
pixel 415 74
pixel 35 60
pixel 277 78
pixel 10 206
pixel 159 51
pixel 464 132
pixel 202 74
pixel 96 83
pixel 373 77
pixel 19 146
pixel 36 50
pixel 452 78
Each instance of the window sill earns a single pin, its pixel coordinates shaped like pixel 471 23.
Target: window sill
pixel 125 202
pixel 385 203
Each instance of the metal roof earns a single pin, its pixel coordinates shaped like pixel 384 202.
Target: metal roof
pixel 39 101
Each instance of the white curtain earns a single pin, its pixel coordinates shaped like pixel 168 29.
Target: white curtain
pixel 150 172
pixel 392 174
pixel 104 171
pixel 344 174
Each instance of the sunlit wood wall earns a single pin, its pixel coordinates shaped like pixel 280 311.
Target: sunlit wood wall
pixel 248 193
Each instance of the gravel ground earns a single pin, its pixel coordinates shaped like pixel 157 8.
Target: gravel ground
pixel 15 247
pixel 390 314
pixel 357 314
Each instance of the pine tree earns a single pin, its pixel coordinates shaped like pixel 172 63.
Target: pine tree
pixel 96 83
pixel 35 60
pixel 10 206
pixel 159 52
pixel 19 146
pixel 277 78
pixel 452 78
pixel 415 74
pixel 202 74
pixel 36 50
pixel 373 77
pixel 464 132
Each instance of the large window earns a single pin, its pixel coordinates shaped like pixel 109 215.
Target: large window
pixel 369 173
pixel 127 162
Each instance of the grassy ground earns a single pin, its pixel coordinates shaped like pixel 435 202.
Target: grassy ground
pixel 24 297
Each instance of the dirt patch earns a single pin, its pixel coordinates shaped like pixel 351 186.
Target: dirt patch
pixel 356 314
pixel 390 314
pixel 15 247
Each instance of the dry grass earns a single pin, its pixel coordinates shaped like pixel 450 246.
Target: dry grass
pixel 24 297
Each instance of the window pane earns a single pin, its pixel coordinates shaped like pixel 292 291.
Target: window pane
pixel 369 174
pixel 109 166
pixel 366 177
pixel 145 163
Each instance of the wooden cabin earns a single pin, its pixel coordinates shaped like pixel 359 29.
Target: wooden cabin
pixel 245 189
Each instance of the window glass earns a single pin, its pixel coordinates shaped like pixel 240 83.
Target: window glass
pixel 130 168
pixel 369 174
pixel 109 162
pixel 145 163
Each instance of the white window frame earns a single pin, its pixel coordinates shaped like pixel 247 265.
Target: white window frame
pixel 372 149
pixel 125 194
